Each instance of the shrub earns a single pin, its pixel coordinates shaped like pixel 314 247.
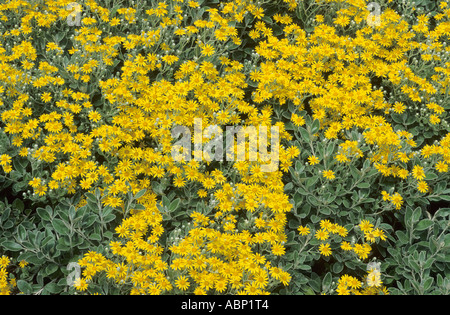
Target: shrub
pixel 353 105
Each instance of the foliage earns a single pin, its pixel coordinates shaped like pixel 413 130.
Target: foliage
pixel 94 200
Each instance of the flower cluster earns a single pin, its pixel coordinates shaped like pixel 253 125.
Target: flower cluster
pixel 91 110
pixel 5 283
pixel 328 229
pixel 371 285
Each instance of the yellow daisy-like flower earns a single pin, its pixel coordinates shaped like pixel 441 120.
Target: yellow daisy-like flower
pixel 297 120
pixel 422 186
pixel 329 174
pixel 374 278
pixel 46 97
pixel 326 224
pixel 303 230
pixel 207 50
pixel 182 283
pixel 434 119
pixel 313 160
pixel 418 172
pixel 441 167
pixel 346 246
pixel 80 284
pixel 325 249
pixel 397 200
pixel 322 235
pixel 365 225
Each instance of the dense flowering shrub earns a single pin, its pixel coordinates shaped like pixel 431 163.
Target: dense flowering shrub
pixel 354 105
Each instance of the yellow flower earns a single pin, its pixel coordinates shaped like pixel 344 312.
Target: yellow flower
pixel 346 246
pixel 297 120
pixel 380 234
pixel 207 50
pixel 353 283
pixel 362 250
pixel 365 225
pixel 23 264
pixel 303 230
pixel 434 119
pixel 313 160
pixel 386 195
pixel 441 167
pixel 374 278
pixel 94 116
pixel 329 174
pixel 418 172
pixel 326 225
pixel 397 200
pixel 4 261
pixel 278 249
pixel 322 235
pixel 193 4
pixel 182 283
pixel 46 97
pixel 399 107
pixel 325 249
pixel 5 159
pixel 170 59
pixel 422 186
pixel 80 284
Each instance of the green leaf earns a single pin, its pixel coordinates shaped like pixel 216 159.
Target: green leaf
pixel 89 221
pixel 297 199
pixel 330 149
pixel 445 197
pixel 304 267
pixel 63 248
pixel 108 218
pixel 138 207
pixel 427 284
pixel 305 134
pixel 313 200
pixel 12 246
pixel 338 267
pixel 18 204
pixel 22 232
pixel 72 212
pixel 53 288
pixel 363 185
pixel 288 186
pixel 408 215
pixel 5 215
pixel 174 205
pixel 24 287
pixel 7 225
pixel 315 218
pixel 315 126
pixel 402 237
pixel 417 213
pixel 91 197
pixel 51 268
pixel 95 237
pixel 140 193
pixel 311 181
pixel 60 227
pixel 326 282
pixel 45 214
pixel 424 224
